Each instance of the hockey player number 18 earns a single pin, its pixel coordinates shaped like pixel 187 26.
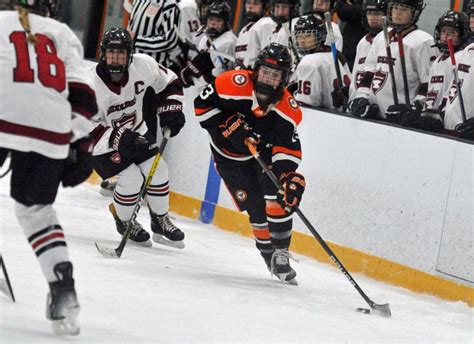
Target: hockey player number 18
pixel 46 58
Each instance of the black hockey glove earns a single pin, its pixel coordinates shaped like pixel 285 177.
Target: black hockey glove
pixel 395 113
pixel 360 107
pixel 171 116
pixel 431 120
pixel 238 132
pixel 201 65
pixel 127 142
pixel 293 185
pixel 466 129
pixel 340 96
pixel 78 166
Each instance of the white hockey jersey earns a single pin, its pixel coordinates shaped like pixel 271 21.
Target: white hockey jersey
pixel 224 43
pixel 419 55
pixel 363 48
pixel 465 64
pixel 188 19
pixel 242 45
pixel 316 77
pixel 123 106
pixel 35 82
pixel 259 38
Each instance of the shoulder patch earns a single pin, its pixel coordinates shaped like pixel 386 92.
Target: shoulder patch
pixel 289 109
pixel 239 79
pixel 235 83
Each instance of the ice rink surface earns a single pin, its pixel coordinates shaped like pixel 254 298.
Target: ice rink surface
pixel 216 290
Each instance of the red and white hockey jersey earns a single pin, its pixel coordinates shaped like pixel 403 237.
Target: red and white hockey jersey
pixel 363 48
pixel 465 64
pixel 243 44
pixel 317 78
pixel 41 85
pixel 122 105
pixel 376 84
pixel 259 38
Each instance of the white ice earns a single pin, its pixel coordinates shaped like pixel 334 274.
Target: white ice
pixel 215 290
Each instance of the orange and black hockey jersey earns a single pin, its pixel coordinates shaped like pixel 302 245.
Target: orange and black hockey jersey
pixel 233 93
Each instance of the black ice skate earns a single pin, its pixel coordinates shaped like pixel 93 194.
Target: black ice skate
pixel 267 257
pixel 138 235
pixel 107 188
pixel 165 232
pixel 62 307
pixel 280 266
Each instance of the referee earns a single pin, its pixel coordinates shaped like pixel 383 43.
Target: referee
pixel 152 25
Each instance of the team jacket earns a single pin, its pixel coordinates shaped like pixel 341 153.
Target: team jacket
pixel 233 93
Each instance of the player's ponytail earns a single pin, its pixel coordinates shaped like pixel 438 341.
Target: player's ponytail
pixel 25 22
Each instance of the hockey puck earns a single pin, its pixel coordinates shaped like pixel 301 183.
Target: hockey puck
pixel 363 310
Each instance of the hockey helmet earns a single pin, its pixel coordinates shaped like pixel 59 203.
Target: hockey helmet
pixel 116 38
pixel 42 7
pixel 219 10
pixel 274 57
pixel 319 7
pixel 293 10
pixel 415 6
pixel 251 16
pixel 373 6
pixel 456 20
pixel 310 34
pixel 203 6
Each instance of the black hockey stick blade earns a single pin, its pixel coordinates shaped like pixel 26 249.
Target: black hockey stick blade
pixel 5 286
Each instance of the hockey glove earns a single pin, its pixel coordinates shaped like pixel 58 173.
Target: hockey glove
pixel 360 107
pixel 293 185
pixel 201 65
pixel 78 166
pixel 127 142
pixel 431 120
pixel 395 113
pixel 238 132
pixel 171 116
pixel 340 96
pixel 466 129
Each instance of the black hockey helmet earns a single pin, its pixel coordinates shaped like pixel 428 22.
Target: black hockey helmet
pixel 317 9
pixel 457 20
pixel 42 7
pixel 116 38
pixel 203 6
pixel 375 6
pixel 253 17
pixel 416 7
pixel 294 10
pixel 275 56
pixel 310 25
pixel 219 10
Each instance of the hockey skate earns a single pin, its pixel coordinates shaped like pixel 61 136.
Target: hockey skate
pixel 107 187
pixel 280 266
pixel 62 308
pixel 137 236
pixel 165 232
pixel 267 257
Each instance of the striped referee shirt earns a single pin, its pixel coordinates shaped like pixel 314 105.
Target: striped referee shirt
pixel 153 22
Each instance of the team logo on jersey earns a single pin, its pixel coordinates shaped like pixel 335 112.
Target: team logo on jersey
pixel 116 158
pixel 152 10
pixel 379 80
pixel 292 102
pixel 127 119
pixel 239 79
pixel 453 91
pixel 241 195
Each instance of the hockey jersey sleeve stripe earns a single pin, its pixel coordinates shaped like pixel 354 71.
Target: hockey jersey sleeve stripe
pixel 208 114
pixel 82 99
pixel 35 133
pixel 287 151
pixel 282 156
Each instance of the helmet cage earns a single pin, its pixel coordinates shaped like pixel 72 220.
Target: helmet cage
pixel 293 10
pixel 116 38
pixel 456 20
pixel 252 17
pixel 373 6
pixel 415 6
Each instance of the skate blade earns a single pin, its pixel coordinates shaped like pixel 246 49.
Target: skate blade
pixel 147 243
pixel 67 326
pixel 160 239
pixel 283 279
pixel 106 192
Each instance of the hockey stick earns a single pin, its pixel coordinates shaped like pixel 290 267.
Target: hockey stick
pixel 381 309
pixel 401 51
pixel 5 285
pixel 456 78
pixel 117 252
pixel 390 61
pixel 291 44
pixel 328 18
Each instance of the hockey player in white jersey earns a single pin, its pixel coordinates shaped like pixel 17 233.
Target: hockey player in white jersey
pixel 316 74
pixel 451 25
pixel 46 102
pixel 322 6
pixel 373 12
pixel 124 146
pixel 189 22
pixel 204 66
pixel 259 34
pixel 253 11
pixel 375 97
